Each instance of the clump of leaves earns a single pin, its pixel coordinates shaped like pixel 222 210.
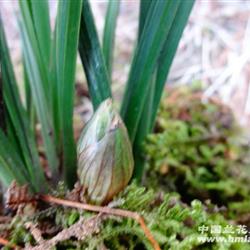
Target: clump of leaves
pixel 49 62
pixel 197 151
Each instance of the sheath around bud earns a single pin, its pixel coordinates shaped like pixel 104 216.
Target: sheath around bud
pixel 105 160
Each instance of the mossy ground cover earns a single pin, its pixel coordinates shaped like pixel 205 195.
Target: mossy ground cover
pixel 199 151
pixel 197 179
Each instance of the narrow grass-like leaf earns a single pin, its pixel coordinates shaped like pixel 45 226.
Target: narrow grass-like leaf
pixel 92 58
pixel 55 86
pixel 11 166
pixel 143 130
pixel 67 32
pixel 144 10
pixel 40 102
pixel 35 14
pixel 109 33
pixel 156 88
pixel 35 28
pixel 145 121
pixel 29 104
pixel 144 62
pixel 2 106
pixel 27 90
pixel 18 118
pixel 37 23
pixel 169 50
pixel 6 174
pixel 41 20
pixel 11 134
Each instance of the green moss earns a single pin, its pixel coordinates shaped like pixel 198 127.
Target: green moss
pixel 173 224
pixel 197 151
pixel 19 234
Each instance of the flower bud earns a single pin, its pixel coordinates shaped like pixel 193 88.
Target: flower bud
pixel 105 160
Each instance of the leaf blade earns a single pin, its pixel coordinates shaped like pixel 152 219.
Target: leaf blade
pixel 92 58
pixel 39 98
pixel 144 62
pixel 10 163
pixel 41 21
pixel 67 32
pixel 31 26
pixel 169 49
pixel 156 87
pixel 109 33
pixel 18 118
pixel 145 122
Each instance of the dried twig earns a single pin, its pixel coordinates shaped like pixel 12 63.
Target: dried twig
pixel 36 233
pixel 106 210
pixel 80 230
pixel 5 242
pixel 5 219
pixel 18 197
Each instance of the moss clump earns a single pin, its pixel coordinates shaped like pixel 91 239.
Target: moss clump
pixel 174 224
pixel 197 151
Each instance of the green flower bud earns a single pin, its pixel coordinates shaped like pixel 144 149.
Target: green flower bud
pixel 105 160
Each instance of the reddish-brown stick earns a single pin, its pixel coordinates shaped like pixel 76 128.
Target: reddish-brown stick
pixel 5 242
pixel 107 210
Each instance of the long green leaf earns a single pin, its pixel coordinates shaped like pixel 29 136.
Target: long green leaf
pixel 38 12
pixel 92 58
pixel 42 108
pixel 2 106
pixel 144 128
pixel 156 88
pixel 109 33
pixel 144 62
pixel 55 86
pixel 8 170
pixel 6 175
pixel 35 28
pixel 41 20
pixel 11 166
pixel 144 10
pixel 67 32
pixel 18 117
pixel 145 122
pixel 169 50
pixel 27 90
pixel 29 104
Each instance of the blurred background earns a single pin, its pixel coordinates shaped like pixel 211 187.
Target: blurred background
pixel 214 50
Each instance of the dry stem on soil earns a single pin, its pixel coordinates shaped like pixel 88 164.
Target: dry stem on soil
pixel 80 230
pixel 106 210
